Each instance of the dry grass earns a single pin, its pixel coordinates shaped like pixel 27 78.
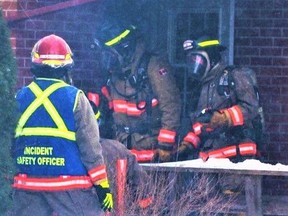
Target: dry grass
pixel 180 195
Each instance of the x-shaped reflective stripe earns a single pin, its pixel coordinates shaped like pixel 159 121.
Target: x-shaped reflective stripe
pixel 42 99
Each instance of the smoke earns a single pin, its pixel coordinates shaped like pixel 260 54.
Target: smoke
pixel 129 12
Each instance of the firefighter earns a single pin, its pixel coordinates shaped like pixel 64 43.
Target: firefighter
pixel 57 151
pixel 137 184
pixel 102 113
pixel 141 90
pixel 137 180
pixel 223 124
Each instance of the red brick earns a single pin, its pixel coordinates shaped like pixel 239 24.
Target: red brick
pixel 282 42
pixel 263 23
pixel 274 13
pixel 245 51
pixel 35 24
pixel 261 61
pixel 248 32
pixel 243 23
pixel 271 51
pixel 270 32
pixel 261 42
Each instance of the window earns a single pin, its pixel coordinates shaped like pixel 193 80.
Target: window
pixel 215 17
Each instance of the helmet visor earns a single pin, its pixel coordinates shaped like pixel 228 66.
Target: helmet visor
pixel 197 65
pixel 110 61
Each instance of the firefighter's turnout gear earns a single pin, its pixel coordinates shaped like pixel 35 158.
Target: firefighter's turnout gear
pixel 220 119
pixel 105 130
pixel 113 151
pixel 144 95
pixel 222 126
pixel 138 180
pixel 102 107
pixel 56 148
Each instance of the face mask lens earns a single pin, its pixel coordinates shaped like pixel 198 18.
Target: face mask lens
pixel 197 65
pixel 125 50
pixel 110 61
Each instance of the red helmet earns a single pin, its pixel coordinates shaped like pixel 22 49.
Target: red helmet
pixel 52 51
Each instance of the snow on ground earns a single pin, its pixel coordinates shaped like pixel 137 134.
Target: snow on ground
pixel 226 164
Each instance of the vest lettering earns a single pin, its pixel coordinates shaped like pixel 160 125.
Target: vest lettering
pixel 38 150
pixel 51 161
pixel 26 160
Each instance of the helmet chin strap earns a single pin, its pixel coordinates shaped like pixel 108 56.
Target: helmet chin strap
pixel 208 70
pixel 209 65
pixel 68 78
pixel 126 60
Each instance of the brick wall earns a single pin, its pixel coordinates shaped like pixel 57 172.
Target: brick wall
pixel 75 24
pixel 261 42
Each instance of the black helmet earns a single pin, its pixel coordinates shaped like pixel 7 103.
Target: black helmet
pixel 198 63
pixel 117 41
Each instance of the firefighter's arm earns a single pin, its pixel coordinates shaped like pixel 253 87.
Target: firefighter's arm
pixel 166 145
pixel 88 140
pixel 246 93
pixel 190 142
pixel 164 87
pixel 247 101
pixel 226 118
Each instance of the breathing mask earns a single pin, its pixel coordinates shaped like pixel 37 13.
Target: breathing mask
pixel 202 55
pixel 197 65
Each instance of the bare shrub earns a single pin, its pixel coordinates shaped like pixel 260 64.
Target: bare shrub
pixel 180 194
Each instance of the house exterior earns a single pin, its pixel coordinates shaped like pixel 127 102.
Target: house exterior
pixel 254 31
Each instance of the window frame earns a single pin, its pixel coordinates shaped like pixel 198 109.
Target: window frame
pixel 226 11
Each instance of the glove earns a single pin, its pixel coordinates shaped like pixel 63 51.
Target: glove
pixel 220 119
pixel 184 150
pixel 205 116
pixel 104 195
pixel 162 156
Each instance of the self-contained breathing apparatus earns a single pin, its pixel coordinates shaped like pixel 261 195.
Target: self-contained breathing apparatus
pixel 202 55
pixel 138 81
pixel 226 86
pixel 117 42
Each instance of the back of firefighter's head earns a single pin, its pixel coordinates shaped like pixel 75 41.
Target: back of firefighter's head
pixel 202 55
pixel 118 41
pixel 51 57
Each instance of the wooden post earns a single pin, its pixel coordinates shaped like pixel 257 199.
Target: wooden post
pixel 121 184
pixel 253 194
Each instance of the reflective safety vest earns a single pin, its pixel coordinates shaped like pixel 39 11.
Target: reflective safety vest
pixel 243 149
pixel 45 135
pixel 22 181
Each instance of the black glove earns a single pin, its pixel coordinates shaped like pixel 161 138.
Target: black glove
pixel 186 151
pixel 162 156
pixel 105 196
pixel 208 133
pixel 218 123
pixel 220 119
pixel 205 116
